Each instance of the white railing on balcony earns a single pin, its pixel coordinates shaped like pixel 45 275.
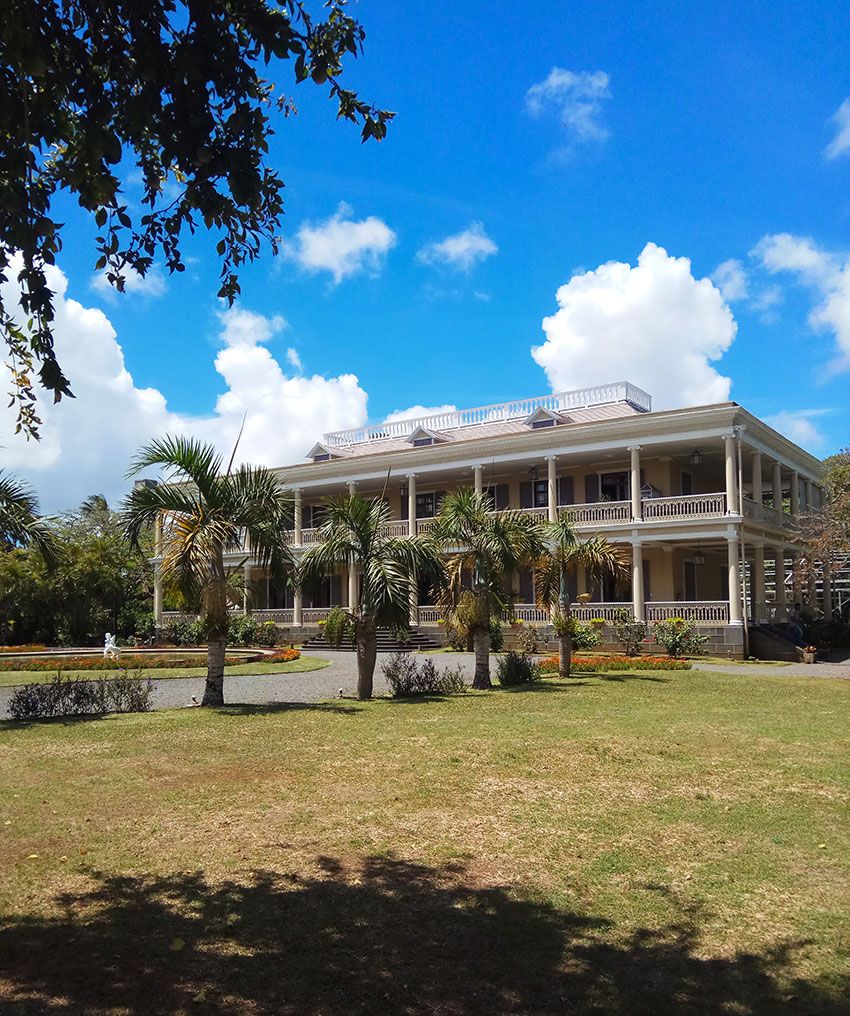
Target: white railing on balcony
pixel 282 615
pixel 585 612
pixel 701 612
pixel 309 536
pixel 620 391
pixel 528 612
pixel 597 513
pixel 424 526
pixel 312 615
pixel 431 615
pixel 685 506
pixel 765 514
pixel 394 530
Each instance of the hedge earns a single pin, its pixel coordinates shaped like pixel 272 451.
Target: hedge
pixel 592 664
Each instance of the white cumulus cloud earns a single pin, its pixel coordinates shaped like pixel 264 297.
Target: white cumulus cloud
pixel 799 426
pixel 414 412
pixel 576 98
pixel 730 277
pixel 294 360
pixel 652 323
pixel 840 144
pixel 461 251
pixel 826 274
pixel 151 284
pixel 87 442
pixel 341 245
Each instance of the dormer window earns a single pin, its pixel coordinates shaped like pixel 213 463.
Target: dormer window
pixel 540 424
pixel 542 418
pixel 422 442
pixel 322 457
pixel 320 453
pixel 422 438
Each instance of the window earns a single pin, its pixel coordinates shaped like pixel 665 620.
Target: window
pixel 498 494
pixel 421 442
pixel 687 484
pixel 322 457
pixel 614 486
pixel 540 424
pixel 425 506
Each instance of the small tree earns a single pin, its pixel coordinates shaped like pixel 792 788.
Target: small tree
pixel 353 535
pixel 207 514
pixel 564 553
pixel 21 525
pixel 494 546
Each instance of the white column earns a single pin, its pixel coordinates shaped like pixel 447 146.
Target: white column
pixel 731 476
pixel 479 479
pixel 796 584
pixel 637 507
pixel 758 582
pixel 757 479
pixel 157 596
pixel 411 504
pixel 734 565
pixel 827 590
pixel 352 588
pixel 552 487
pixel 779 573
pixel 638 605
pixel 352 487
pixel 777 485
pixel 297 517
pixel 246 587
pixel 297 601
pixel 795 494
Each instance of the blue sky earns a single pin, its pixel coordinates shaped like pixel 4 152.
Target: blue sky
pixel 703 131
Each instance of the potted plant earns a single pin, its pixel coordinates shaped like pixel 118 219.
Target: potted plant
pixel 810 654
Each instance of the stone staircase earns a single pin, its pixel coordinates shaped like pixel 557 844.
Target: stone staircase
pixel 771 642
pixel 387 642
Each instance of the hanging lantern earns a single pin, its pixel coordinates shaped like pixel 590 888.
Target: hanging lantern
pixel 533 473
pixel 699 558
pixel 696 457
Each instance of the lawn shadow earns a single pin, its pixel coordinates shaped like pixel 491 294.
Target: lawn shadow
pixel 376 937
pixel 252 709
pixel 624 675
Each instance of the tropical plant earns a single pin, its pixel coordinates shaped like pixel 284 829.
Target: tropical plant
pixel 679 637
pixel 582 636
pixel 20 522
pixel 494 547
pixel 353 535
pixel 516 668
pixel 629 632
pixel 207 515
pixel 407 678
pixel 564 553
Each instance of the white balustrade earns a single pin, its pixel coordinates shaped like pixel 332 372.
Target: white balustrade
pixel 684 507
pixel 597 513
pixel 585 612
pixel 526 612
pixel 765 514
pixel 424 526
pixel 431 615
pixel 394 530
pixel 620 391
pixel 700 612
pixel 309 536
pixel 311 615
pixel 279 616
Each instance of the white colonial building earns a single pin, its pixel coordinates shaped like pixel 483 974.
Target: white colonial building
pixel 709 500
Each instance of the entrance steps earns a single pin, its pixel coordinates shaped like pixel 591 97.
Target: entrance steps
pixel 387 642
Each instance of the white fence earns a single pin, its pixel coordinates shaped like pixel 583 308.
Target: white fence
pixel 684 507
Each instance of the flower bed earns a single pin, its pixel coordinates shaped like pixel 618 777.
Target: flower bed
pixel 32 648
pixel 134 662
pixel 283 656
pixel 591 664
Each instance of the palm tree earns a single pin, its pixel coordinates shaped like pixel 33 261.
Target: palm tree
pixel 20 522
pixel 491 547
pixel 207 518
pixel 564 553
pixel 353 535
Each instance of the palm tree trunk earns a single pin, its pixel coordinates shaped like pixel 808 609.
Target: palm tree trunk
pixel 214 688
pixel 481 641
pixel 367 653
pixel 565 655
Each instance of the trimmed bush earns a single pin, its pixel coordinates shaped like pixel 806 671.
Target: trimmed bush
pixel 407 679
pixel 679 637
pixel 181 631
pixel 62 696
pixel 515 669
pixel 593 664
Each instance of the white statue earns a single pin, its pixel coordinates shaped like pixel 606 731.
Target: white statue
pixel 110 649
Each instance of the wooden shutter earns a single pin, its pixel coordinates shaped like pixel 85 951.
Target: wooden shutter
pixel 402 507
pixel 306 516
pixel 591 488
pixel 565 490
pixel 525 494
pixel 502 496
pixel 526 586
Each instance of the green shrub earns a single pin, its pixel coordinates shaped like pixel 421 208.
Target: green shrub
pixel 629 632
pixel 183 631
pixel 497 635
pixel 267 634
pixel 407 679
pixel 338 627
pixel 679 637
pixel 241 630
pixel 458 636
pixel 75 697
pixel 515 669
pixel 527 639
pixel 584 636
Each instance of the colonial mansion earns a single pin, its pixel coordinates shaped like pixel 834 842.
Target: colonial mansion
pixel 708 499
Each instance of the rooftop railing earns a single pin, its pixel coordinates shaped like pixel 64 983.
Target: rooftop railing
pixel 581 398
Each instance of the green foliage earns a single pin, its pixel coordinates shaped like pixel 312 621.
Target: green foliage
pixel 407 678
pixel 242 630
pixel 528 639
pixel 338 627
pixel 629 632
pixel 176 89
pixel 458 636
pixel 267 634
pixel 497 635
pixel 584 636
pixel 679 637
pixel 183 631
pixel 516 669
pixel 130 693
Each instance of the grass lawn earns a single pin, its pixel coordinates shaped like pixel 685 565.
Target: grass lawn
pixel 632 844
pixel 15 677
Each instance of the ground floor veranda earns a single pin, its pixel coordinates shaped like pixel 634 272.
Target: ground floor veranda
pixel 720 578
